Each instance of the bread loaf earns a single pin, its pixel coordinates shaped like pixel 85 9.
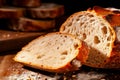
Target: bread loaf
pixel 46 10
pixel 97 29
pixel 54 52
pixel 27 24
pixel 27 3
pixel 11 12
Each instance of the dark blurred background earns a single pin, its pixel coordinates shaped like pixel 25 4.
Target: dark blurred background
pixel 72 6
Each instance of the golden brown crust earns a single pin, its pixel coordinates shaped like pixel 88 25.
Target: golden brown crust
pixel 113 18
pixel 114 60
pixel 72 65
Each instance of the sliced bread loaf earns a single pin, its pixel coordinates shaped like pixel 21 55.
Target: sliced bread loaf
pixel 96 30
pixel 46 10
pixel 26 3
pixel 54 52
pixel 27 24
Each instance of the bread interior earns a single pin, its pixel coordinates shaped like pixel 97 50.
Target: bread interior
pixel 51 51
pixel 95 31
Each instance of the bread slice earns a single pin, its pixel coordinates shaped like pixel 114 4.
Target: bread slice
pixel 54 52
pixel 96 30
pixel 27 24
pixel 11 12
pixel 112 15
pixel 26 3
pixel 46 10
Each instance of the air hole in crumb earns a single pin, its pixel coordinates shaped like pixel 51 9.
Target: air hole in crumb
pixel 75 46
pixel 57 47
pixel 104 30
pixel 80 15
pixel 92 20
pixel 38 57
pixel 77 19
pixel 81 23
pixel 90 15
pixel 64 53
pixel 84 36
pixel 108 38
pixel 96 40
pixel 62 58
pixel 69 24
pixel 108 44
pixel 65 36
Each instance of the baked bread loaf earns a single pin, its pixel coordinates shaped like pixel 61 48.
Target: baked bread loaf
pixel 27 3
pixel 11 12
pixel 27 24
pixel 54 52
pixel 97 29
pixel 46 10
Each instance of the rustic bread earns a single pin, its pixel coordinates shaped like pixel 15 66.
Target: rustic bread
pixel 54 52
pixel 27 24
pixel 11 12
pixel 46 10
pixel 27 3
pixel 112 15
pixel 96 30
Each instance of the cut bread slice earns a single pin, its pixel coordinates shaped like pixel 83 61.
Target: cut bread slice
pixel 27 24
pixel 95 29
pixel 46 10
pixel 54 52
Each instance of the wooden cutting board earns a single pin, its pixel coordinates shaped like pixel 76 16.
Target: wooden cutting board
pixel 11 40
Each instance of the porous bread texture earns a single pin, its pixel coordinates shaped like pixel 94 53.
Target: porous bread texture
pixel 54 52
pixel 96 32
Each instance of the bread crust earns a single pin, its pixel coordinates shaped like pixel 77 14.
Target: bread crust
pixel 46 10
pixel 113 58
pixel 82 51
pixel 113 18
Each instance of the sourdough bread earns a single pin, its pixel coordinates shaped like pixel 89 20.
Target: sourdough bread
pixel 46 10
pixel 95 29
pixel 54 52
pixel 27 24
